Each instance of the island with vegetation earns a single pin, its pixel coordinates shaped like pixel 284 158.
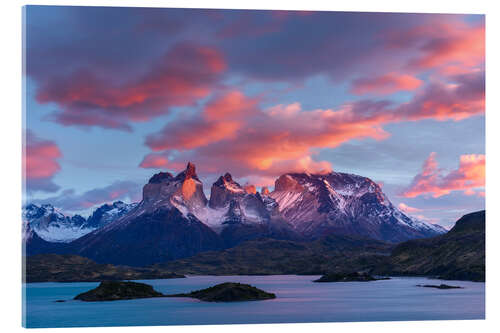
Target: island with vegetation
pixel 118 290
pixel 229 292
pixel 126 290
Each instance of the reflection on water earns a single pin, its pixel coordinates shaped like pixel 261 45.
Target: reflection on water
pixel 298 300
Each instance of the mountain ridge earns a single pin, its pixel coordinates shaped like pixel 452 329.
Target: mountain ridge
pixel 174 219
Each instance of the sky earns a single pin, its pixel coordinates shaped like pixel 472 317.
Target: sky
pixel 114 95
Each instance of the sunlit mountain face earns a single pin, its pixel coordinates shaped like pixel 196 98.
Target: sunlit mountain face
pixel 115 95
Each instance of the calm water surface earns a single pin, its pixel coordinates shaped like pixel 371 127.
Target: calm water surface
pixel 298 300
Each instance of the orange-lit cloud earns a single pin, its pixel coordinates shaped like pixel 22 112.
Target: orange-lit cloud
pixel 40 163
pixel 192 134
pixel 221 119
pixel 385 84
pixel 232 104
pixel 234 133
pixel 469 177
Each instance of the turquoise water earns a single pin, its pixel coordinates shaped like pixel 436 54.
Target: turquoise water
pixel 298 300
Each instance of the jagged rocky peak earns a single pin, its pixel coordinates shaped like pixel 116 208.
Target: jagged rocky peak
pixel 160 177
pixel 264 191
pixel 226 181
pixel 183 190
pixel 223 190
pixel 188 173
pixel 192 188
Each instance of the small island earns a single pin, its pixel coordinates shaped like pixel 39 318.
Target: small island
pixel 118 290
pixel 229 292
pixel 348 277
pixel 441 286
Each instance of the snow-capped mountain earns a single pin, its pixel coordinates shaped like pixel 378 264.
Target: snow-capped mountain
pixel 108 213
pixel 175 220
pixel 53 226
pixel 346 204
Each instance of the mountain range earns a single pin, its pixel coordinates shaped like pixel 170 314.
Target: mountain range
pixel 456 255
pixel 175 220
pixel 53 226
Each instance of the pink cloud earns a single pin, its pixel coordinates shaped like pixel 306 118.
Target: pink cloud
pixel 385 84
pixel 469 176
pixel 408 209
pixel 439 44
pixel 460 98
pixel 232 104
pixel 154 161
pixel 186 73
pixel 161 161
pixel 40 163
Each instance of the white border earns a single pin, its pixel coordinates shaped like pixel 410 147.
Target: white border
pixel 10 194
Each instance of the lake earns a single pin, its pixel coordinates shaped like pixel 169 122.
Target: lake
pixel 298 300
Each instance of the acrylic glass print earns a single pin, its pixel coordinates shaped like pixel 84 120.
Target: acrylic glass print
pixel 198 166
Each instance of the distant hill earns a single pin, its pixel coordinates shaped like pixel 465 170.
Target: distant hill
pixel 456 255
pixel 71 268
pixel 272 256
